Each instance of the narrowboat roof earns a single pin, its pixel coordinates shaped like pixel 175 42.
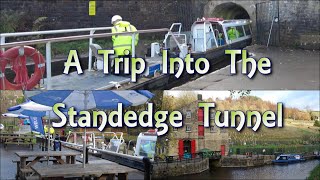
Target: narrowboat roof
pixel 289 154
pixel 222 21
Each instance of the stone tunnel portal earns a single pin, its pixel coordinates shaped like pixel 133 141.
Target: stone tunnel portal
pixel 230 11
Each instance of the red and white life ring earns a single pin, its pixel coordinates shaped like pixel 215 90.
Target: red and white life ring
pixel 18 63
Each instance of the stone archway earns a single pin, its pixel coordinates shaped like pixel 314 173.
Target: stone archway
pixel 230 10
pixel 233 10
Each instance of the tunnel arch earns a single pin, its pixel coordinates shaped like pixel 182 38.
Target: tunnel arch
pixel 230 10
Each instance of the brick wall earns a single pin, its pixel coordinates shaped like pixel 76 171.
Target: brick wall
pixel 74 13
pixel 298 25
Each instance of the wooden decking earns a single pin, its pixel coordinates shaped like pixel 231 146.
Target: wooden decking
pixel 100 171
pixel 24 165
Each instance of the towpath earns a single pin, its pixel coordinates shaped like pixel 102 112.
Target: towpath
pixel 291 69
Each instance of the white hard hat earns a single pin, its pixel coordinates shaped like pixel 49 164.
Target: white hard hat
pixel 116 18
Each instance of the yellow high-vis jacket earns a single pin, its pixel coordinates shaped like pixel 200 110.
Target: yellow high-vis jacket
pixel 123 42
pixel 233 33
pixel 46 129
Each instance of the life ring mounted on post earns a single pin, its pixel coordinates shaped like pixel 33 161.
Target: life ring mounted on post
pixel 16 57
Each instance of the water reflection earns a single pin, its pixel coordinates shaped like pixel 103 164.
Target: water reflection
pixel 292 171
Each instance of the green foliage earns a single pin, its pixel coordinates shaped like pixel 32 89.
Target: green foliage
pixel 82 46
pixel 10 20
pixel 316 123
pixel 20 100
pixel 315 174
pixel 38 23
pixel 173 103
pixel 274 149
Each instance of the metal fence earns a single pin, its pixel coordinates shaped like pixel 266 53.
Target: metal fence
pixel 188 157
pixel 192 158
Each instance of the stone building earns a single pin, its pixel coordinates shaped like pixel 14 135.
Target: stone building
pixel 193 137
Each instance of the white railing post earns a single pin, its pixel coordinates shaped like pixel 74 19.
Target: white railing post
pixel 2 42
pixel 133 47
pixel 204 38
pixel 2 74
pixel 90 51
pixel 48 64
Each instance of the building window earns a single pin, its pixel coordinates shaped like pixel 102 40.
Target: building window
pixel 188 114
pixel 188 128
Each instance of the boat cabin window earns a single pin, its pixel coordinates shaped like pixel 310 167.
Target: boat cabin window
pixel 204 37
pixel 247 29
pixel 282 158
pixel 147 148
pixel 235 32
pixel 240 30
pixel 210 43
pixel 114 145
pixel 198 40
pixel 218 31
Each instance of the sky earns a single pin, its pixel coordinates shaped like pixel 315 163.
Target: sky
pixel 296 99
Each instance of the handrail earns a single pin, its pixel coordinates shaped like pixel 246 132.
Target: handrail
pixel 48 42
pixel 16 34
pixel 48 46
pixel 80 37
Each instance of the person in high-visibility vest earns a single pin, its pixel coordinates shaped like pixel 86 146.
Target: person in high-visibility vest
pixel 233 33
pixel 46 129
pixel 122 42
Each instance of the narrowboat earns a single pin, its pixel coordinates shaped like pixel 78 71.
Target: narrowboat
pixel 288 159
pixel 116 149
pixel 208 38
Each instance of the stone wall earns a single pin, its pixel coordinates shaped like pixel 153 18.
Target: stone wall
pixel 299 24
pixel 64 14
pixel 179 168
pixel 298 20
pixel 213 137
pixel 242 161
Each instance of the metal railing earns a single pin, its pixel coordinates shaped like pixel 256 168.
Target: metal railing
pixel 33 33
pixel 194 157
pixel 48 42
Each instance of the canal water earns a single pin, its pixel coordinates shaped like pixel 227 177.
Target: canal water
pixel 291 171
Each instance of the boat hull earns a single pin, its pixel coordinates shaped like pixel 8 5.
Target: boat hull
pixel 288 161
pixel 217 55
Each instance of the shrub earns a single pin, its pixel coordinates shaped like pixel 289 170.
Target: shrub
pixel 316 123
pixel 10 20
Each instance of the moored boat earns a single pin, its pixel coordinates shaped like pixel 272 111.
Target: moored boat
pixel 288 159
pixel 210 37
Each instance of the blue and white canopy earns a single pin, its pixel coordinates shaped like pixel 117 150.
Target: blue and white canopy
pixel 41 104
pixel 13 115
pixel 33 109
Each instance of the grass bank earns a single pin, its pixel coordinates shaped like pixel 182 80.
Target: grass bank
pixel 275 149
pixel 315 173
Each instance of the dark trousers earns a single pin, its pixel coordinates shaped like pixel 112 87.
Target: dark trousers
pixel 121 68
